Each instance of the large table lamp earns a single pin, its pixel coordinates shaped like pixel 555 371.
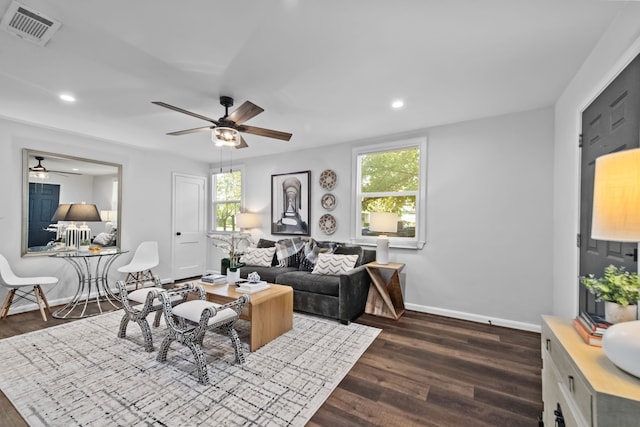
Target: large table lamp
pixel 616 217
pixel 80 212
pixel 383 222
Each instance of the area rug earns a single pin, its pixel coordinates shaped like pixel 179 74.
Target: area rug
pixel 81 374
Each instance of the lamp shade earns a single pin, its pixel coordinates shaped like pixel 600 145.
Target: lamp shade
pixel 61 212
pixel 82 212
pixel 616 197
pixel 108 215
pixel 247 220
pixel 384 222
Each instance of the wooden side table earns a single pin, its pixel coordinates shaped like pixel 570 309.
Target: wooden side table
pixel 385 297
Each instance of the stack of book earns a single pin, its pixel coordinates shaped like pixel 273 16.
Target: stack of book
pixel 591 327
pixel 251 287
pixel 214 279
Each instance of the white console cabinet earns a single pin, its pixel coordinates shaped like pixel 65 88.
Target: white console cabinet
pixel 581 384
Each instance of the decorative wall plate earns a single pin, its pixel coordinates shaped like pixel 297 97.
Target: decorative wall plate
pixel 327 224
pixel 328 201
pixel 328 179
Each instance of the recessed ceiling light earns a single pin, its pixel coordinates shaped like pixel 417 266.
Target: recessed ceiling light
pixel 67 97
pixel 397 104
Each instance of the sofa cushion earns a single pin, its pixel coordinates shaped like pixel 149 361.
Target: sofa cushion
pixel 312 283
pixel 312 249
pixel 334 264
pixel 264 243
pixel 268 274
pixel 350 250
pixel 258 256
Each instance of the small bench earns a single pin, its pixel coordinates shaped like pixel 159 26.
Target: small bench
pixel 187 323
pixel 148 302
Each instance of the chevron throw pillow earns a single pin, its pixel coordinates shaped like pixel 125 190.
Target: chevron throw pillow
pixel 261 257
pixel 334 264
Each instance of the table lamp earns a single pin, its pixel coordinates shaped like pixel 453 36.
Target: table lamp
pixel 246 220
pixel 80 212
pixel 383 222
pixel 616 216
pixel 110 217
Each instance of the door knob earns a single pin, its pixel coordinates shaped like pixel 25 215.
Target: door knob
pixel 178 234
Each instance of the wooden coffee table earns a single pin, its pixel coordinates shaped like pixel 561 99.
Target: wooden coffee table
pixel 270 312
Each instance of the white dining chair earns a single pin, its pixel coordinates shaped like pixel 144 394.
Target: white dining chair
pixel 144 259
pixel 9 280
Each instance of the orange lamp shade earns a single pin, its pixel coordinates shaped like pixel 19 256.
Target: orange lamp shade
pixel 616 197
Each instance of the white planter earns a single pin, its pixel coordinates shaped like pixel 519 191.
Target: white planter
pixel 233 276
pixel 616 313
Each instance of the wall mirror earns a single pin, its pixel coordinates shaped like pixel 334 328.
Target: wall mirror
pixel 53 182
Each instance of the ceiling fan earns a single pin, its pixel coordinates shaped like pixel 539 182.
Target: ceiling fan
pixel 226 130
pixel 39 171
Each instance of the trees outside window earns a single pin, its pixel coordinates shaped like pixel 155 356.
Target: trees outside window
pixel 227 198
pixel 390 178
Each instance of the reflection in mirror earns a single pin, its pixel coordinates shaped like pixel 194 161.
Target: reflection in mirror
pixel 53 184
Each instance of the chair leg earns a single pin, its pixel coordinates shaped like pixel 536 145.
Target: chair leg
pixel 7 303
pixel 235 342
pixel 122 331
pixel 156 321
pixel 201 362
pixel 164 347
pixel 40 300
pixel 146 333
pixel 44 298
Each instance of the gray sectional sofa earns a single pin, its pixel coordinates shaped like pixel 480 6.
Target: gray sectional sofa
pixel 342 297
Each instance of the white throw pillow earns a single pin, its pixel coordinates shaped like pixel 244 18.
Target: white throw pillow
pixel 103 239
pixel 333 264
pixel 260 257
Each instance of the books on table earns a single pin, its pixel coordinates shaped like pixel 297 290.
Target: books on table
pixel 214 279
pixel 590 327
pixel 252 287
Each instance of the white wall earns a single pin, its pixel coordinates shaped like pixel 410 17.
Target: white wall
pixel 146 198
pixel 489 216
pixel 618 46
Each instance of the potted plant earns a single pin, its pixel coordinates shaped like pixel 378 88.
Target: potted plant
pixel 620 291
pixel 234 244
pixel 84 245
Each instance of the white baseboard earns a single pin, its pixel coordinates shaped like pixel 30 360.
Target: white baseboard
pixel 474 317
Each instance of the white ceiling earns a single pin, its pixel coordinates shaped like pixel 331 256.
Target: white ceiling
pixel 324 70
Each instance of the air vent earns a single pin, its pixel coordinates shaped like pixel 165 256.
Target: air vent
pixel 29 24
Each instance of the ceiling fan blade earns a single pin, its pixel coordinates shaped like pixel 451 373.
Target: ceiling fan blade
pixel 180 110
pixel 269 133
pixel 245 112
pixel 243 143
pixel 64 172
pixel 187 131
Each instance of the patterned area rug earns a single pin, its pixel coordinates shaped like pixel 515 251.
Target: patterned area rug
pixel 81 374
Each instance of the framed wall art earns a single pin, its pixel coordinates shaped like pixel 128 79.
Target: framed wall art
pixel 291 203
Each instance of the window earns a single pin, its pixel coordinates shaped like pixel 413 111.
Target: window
pixel 226 189
pixel 391 178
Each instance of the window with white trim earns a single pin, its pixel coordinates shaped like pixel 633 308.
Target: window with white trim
pixel 226 199
pixel 391 178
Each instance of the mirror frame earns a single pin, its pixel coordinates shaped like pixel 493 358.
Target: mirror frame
pixel 26 153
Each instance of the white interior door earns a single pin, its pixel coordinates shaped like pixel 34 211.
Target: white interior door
pixel 189 233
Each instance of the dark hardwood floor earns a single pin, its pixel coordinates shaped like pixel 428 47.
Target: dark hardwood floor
pixel 422 370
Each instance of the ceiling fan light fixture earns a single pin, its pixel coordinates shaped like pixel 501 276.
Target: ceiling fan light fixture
pixel 225 137
pixel 39 171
